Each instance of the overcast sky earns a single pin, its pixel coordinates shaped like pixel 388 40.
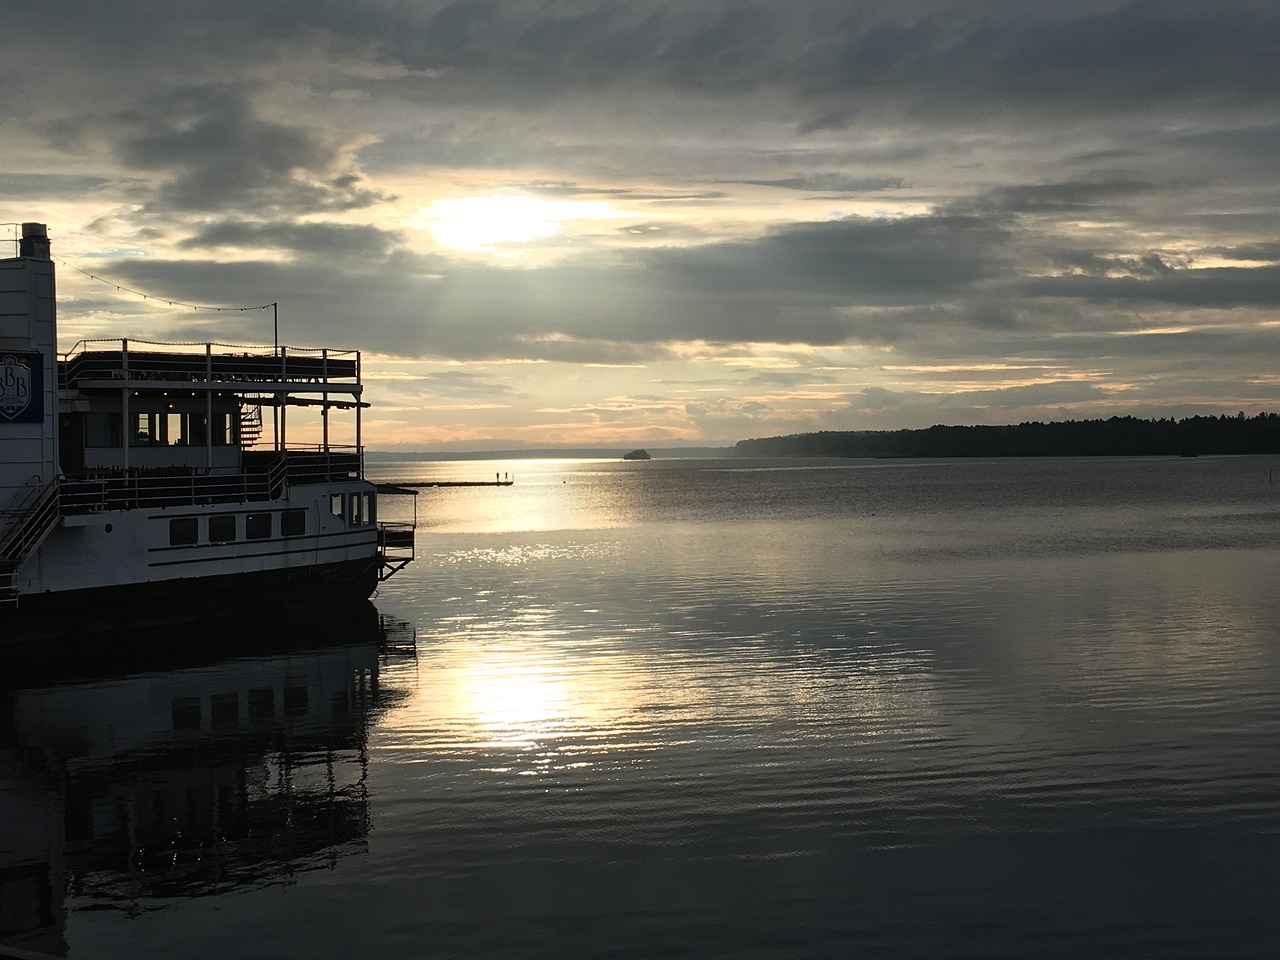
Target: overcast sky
pixel 638 222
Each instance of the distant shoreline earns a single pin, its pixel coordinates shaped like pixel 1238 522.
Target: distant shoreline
pixel 1115 437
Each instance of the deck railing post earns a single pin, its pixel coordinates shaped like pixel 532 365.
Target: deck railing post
pixel 208 406
pixel 359 441
pixel 324 397
pixel 126 426
pixel 281 395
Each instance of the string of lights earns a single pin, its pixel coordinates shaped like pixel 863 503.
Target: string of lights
pixel 151 296
pixel 274 306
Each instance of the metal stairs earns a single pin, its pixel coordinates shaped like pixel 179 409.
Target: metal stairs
pixel 25 534
pixel 250 424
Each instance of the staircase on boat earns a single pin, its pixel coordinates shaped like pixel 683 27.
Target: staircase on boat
pixel 28 530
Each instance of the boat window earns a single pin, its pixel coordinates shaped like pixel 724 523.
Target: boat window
pixel 221 429
pixel 361 509
pixel 257 526
pixel 293 523
pixel 336 502
pixel 295 701
pixel 183 531
pixel 186 713
pixel 146 430
pixel 196 430
pixel 262 703
pixel 224 711
pixel 222 528
pixel 102 430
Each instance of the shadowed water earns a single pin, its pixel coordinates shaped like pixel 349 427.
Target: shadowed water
pixel 711 708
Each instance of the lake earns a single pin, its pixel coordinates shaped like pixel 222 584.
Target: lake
pixel 692 708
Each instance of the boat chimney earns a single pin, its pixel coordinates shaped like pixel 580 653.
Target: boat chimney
pixel 34 242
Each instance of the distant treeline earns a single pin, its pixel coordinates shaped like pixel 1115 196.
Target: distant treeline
pixel 1115 437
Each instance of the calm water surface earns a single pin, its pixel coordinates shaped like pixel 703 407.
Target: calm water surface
pixel 704 708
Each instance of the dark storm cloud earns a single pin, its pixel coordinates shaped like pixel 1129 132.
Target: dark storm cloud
pixel 859 260
pixel 309 239
pixel 1216 287
pixel 212 152
pixel 1058 197
pixel 1073 57
pixel 1092 264
pixel 848 59
pixel 1260 252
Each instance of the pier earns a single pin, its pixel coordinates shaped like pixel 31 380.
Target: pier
pixel 419 484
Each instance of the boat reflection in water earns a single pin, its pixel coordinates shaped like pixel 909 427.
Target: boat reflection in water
pixel 122 791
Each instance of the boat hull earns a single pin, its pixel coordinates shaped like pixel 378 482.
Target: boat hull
pixel 119 613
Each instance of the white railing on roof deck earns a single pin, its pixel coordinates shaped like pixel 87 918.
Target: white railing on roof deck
pixel 212 347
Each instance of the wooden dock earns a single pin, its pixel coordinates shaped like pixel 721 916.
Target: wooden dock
pixel 415 486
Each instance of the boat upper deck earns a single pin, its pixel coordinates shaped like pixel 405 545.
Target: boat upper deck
pixel 117 363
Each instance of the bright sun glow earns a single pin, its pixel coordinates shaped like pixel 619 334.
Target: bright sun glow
pixel 477 224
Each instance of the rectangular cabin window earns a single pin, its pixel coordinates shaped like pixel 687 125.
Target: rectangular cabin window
pixel 361 509
pixel 224 711
pixel 183 531
pixel 221 429
pixel 293 523
pixel 186 713
pixel 196 430
pixel 262 703
pixel 146 430
pixel 222 528
pixel 337 503
pixel 257 526
pixel 173 432
pixel 102 430
pixel 296 701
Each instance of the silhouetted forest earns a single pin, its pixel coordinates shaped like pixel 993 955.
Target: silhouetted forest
pixel 1117 436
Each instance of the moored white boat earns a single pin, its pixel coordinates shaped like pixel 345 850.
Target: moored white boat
pixel 144 482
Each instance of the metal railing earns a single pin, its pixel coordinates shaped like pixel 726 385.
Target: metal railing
pixel 396 541
pixel 32 521
pixel 265 478
pixel 201 362
pixel 129 492
pixel 322 466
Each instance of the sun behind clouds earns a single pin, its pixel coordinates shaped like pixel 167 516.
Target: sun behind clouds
pixel 479 224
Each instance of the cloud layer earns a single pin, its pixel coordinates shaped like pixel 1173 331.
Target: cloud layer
pixel 795 216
